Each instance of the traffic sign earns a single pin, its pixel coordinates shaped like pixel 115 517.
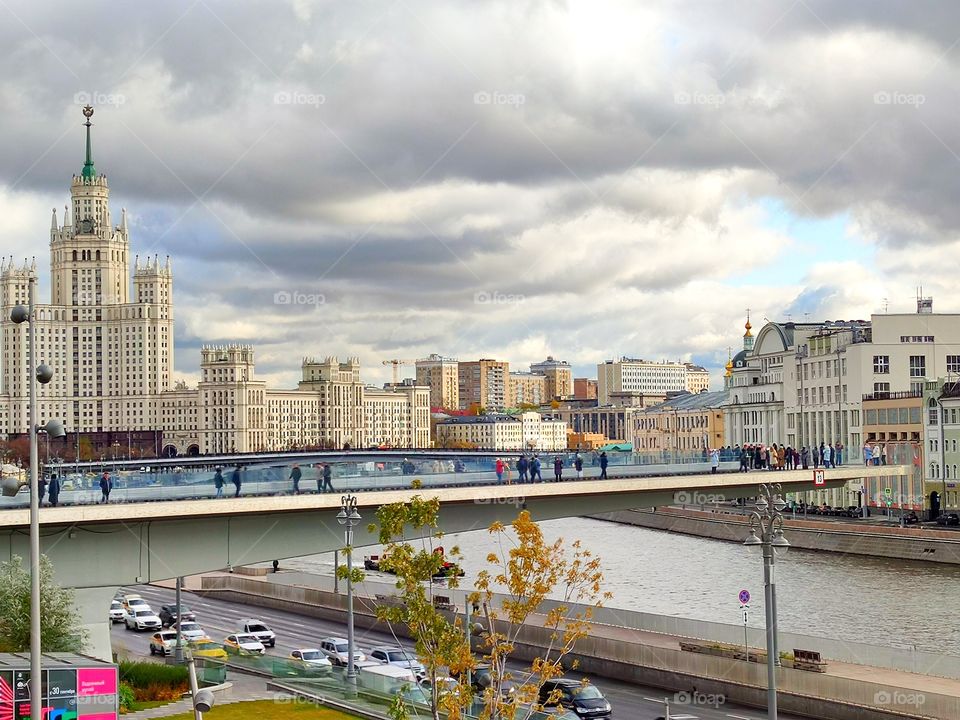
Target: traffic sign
pixel 818 478
pixel 888 491
pixel 744 597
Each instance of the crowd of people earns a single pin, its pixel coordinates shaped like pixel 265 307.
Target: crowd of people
pixel 783 457
pixel 529 468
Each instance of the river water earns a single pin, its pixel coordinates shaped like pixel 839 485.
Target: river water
pixel 874 600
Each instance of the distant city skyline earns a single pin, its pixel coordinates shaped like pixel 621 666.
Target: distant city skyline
pixel 375 182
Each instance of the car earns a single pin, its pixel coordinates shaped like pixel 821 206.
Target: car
pixel 445 685
pixel 948 519
pixel 135 602
pixel 116 611
pixel 163 642
pixel 241 644
pixel 397 656
pixel 141 619
pixel 311 656
pixel 911 518
pixel 259 629
pixel 584 699
pixel 481 678
pixel 168 614
pixel 190 630
pixel 336 650
pixel 207 648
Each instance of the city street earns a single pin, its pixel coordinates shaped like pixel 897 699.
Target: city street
pixel 219 618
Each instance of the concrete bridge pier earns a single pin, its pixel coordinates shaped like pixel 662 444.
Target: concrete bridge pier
pixel 93 606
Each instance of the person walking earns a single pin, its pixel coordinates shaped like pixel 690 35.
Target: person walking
pixel 557 469
pixel 804 457
pixel 867 454
pixel 781 457
pixel 327 478
pixel 237 482
pixel 714 461
pixel 522 464
pixel 218 482
pixel 535 466
pixel 815 455
pixel 744 459
pixel 54 490
pixel 827 452
pixel 41 490
pixel 499 468
pixel 295 475
pixel 578 466
pixel 837 459
pixel 603 465
pixel 106 485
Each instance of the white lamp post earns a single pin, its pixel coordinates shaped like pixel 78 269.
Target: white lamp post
pixel 349 518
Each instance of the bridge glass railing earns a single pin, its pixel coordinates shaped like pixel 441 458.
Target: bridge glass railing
pixel 152 483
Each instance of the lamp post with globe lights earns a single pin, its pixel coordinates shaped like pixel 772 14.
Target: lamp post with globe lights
pixel 766 531
pixel 349 518
pixel 42 373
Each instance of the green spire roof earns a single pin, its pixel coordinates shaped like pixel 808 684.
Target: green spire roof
pixel 89 171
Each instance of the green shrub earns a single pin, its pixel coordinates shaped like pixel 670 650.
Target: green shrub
pixel 125 695
pixel 142 675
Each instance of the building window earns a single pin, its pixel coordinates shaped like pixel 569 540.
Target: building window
pixel 881 364
pixel 932 412
pixel 881 390
pixel 918 366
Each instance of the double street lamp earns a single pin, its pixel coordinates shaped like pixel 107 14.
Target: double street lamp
pixel 39 373
pixel 349 518
pixel 766 530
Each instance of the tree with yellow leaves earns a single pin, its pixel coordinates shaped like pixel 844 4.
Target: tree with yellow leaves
pixel 528 571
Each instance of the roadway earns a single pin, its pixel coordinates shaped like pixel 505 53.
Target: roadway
pixel 219 618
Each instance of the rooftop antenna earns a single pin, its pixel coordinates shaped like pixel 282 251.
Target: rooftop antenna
pixel 886 306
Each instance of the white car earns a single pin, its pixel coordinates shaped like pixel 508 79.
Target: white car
pixel 190 631
pixel 311 657
pixel 259 628
pixel 241 644
pixel 116 611
pixel 164 642
pixel 336 650
pixel 399 657
pixel 135 602
pixel 141 619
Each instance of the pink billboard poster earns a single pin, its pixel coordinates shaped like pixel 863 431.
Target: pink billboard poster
pixel 96 681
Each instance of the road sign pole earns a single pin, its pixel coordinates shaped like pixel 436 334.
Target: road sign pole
pixel 746 646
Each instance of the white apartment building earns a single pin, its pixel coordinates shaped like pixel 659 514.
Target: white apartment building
pixel 653 378
pixel 528 431
pixel 112 355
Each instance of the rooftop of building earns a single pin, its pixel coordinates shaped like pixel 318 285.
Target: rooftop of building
pixel 693 401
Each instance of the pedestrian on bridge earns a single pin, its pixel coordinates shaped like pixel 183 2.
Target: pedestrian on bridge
pixel 54 490
pixel 578 466
pixel 235 479
pixel 714 461
pixel 41 490
pixel 804 457
pixel 295 475
pixel 325 484
pixel 218 482
pixel 603 465
pixel 535 469
pixel 106 485
pixel 500 467
pixel 558 469
pixel 522 465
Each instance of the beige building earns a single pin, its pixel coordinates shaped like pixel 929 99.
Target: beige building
pixel 643 376
pixel 112 354
pixel 483 383
pixel 441 375
pixel 687 423
pixel 559 378
pixel 528 431
pixel 527 389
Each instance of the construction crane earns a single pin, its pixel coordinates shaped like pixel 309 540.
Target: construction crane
pixel 396 367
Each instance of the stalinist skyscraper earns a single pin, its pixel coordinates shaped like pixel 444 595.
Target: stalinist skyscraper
pixel 112 353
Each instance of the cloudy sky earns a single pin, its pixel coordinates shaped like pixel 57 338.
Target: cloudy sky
pixel 498 179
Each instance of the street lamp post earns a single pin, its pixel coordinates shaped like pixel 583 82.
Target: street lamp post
pixel 44 374
pixel 767 519
pixel 349 518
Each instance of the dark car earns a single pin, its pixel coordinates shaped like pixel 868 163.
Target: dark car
pixel 911 519
pixel 584 699
pixel 948 519
pixel 168 614
pixel 481 679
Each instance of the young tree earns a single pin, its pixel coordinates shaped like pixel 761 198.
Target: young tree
pixel 529 570
pixel 438 642
pixel 59 629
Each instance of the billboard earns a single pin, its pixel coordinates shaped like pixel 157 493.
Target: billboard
pixel 68 693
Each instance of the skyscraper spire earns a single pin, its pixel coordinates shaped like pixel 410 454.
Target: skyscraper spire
pixel 66 215
pixel 89 171
pixel 53 221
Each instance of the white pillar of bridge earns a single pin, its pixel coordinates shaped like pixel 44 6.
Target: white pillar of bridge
pixel 93 606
